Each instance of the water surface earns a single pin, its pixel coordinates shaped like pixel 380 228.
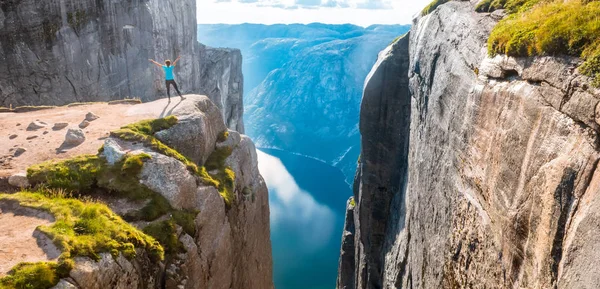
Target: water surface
pixel 307 199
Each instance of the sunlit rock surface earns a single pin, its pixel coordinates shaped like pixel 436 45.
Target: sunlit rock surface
pixel 62 51
pixel 475 172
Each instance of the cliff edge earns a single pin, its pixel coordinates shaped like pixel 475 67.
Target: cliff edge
pixel 475 171
pixel 153 195
pixel 60 52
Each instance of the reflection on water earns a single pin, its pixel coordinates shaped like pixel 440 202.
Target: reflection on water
pixel 307 201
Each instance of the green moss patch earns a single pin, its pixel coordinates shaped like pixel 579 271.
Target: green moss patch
pixel 32 108
pixel 511 6
pixel 125 101
pixel 76 174
pixel 224 176
pixel 144 131
pixel 86 174
pixel 82 228
pixel 74 104
pixel 223 136
pixel 166 233
pixel 86 228
pixel 42 275
pixel 551 28
pixel 432 6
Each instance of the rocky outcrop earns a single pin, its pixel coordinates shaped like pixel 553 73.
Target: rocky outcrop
pixel 216 238
pixel 57 52
pixel 475 172
pixel 347 264
pixel 231 247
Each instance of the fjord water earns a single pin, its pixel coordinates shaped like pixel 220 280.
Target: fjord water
pixel 307 199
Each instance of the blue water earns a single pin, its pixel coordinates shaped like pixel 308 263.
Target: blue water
pixel 307 200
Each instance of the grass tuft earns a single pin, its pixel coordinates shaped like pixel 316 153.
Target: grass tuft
pixel 551 28
pixel 223 136
pixel 74 104
pixel 166 233
pixel 84 174
pixel 41 275
pixel 81 228
pixel 224 175
pixel 432 6
pixel 144 131
pixel 511 6
pixel 125 101
pixel 32 108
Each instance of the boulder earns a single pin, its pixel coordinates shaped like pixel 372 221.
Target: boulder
pixel 200 124
pixel 60 125
pixel 19 151
pixel 35 125
pixel 64 284
pixel 112 152
pixel 233 139
pixel 170 178
pixel 90 116
pixel 74 136
pixel 109 272
pixel 13 136
pixel 19 180
pixel 31 137
pixel 84 124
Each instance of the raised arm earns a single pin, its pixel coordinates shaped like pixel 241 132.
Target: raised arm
pixel 175 62
pixel 156 63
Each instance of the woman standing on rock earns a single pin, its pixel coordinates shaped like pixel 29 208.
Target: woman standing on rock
pixel 169 79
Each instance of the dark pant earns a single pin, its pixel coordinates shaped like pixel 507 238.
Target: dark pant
pixel 168 83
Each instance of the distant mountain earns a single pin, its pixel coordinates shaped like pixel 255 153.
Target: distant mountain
pixel 304 83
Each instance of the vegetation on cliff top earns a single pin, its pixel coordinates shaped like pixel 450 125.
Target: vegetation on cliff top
pixel 88 173
pixel 86 228
pixel 536 27
pixel 432 6
pixel 511 6
pixel 81 228
pixel 144 131
pixel 40 275
pixel 222 173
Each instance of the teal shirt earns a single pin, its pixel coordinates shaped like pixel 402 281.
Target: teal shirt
pixel 168 72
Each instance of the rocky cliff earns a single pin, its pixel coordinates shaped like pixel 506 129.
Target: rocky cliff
pixel 170 202
pixel 475 172
pixel 62 51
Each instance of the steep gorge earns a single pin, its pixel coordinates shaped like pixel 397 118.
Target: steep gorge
pixel 475 172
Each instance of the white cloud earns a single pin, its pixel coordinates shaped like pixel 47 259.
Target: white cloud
pixel 291 206
pixel 359 12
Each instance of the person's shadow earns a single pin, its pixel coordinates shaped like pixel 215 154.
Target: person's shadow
pixel 164 111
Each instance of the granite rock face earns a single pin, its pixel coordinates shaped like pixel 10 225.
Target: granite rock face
pixel 60 51
pixel 475 172
pixel 231 246
pixel 197 130
pixel 347 263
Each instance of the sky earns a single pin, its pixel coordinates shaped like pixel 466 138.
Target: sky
pixel 358 12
